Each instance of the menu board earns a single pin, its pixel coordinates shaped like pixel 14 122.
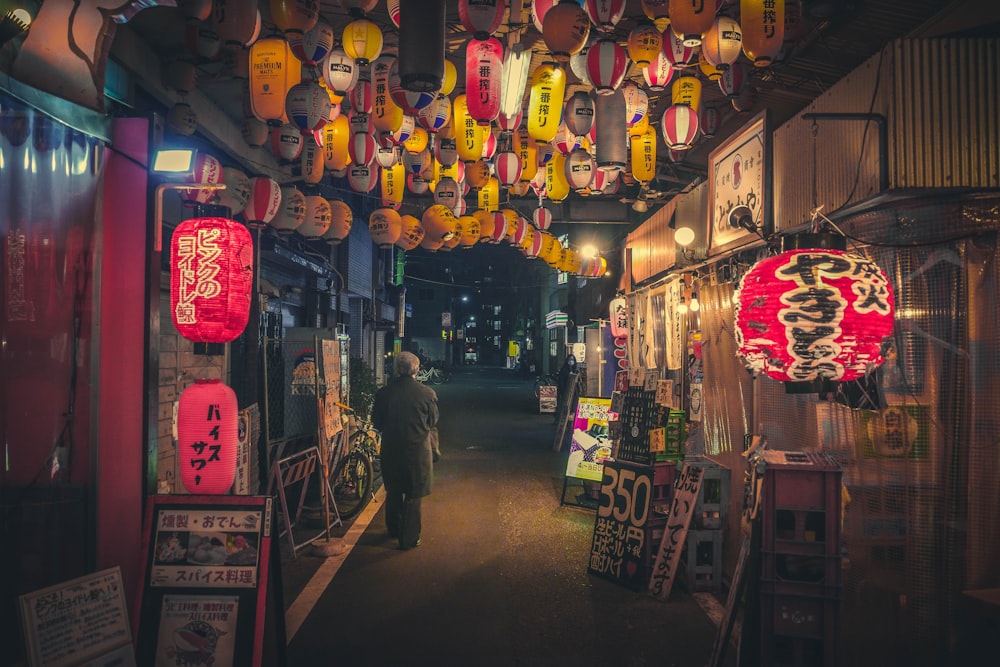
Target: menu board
pixel 331 383
pixel 616 551
pixel 82 621
pixel 591 443
pixel 206 581
pixel 547 398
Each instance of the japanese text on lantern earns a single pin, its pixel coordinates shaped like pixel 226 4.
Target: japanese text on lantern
pixel 198 263
pixel 208 453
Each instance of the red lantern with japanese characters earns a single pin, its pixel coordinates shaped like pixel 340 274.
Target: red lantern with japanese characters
pixel 211 273
pixel 207 435
pixel 813 313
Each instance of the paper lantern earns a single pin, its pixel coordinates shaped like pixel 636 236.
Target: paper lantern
pixel 477 173
pixel 499 230
pixel 411 102
pixel 361 148
pixel 677 52
pixel 527 151
pixel 400 135
pixel 392 6
pixel 711 72
pixel 237 192
pixel 565 29
pixel 417 141
pixel 636 104
pixel 255 132
pixel 286 142
pixel 207 171
pixel 336 144
pixel 311 161
pixel 468 231
pixel 450 77
pixel 317 218
pixel 644 156
pixel 610 131
pixel 361 98
pixel 618 317
pixel 556 185
pixel 341 221
pixel 607 63
pixel 202 40
pixel 604 14
pixel 211 274
pixel 481 17
pixel 722 44
pixel 294 16
pixel 708 121
pixel 307 106
pixel 235 21
pixel 312 45
pixel 733 80
pixel 569 261
pixel 548 247
pixel 385 227
pixel 362 177
pixel 416 185
pixel 434 116
pixel 679 126
pixel 813 313
pixel 489 195
pixel 545 101
pixel 412 233
pixel 264 202
pixel 447 192
pixel 657 11
pixel 340 72
pixel 539 8
pixel 469 135
pixel 691 19
pixel 763 25
pixel 438 222
pixel 687 90
pixel 422 46
pixel 483 68
pixel 658 74
pixel 358 7
pixel 579 168
pixel 644 44
pixel 508 124
pixel 362 40
pixel 542 218
pixel 578 61
pixel 274 69
pixel 207 437
pixel 393 184
pixel 387 116
pixel 522 229
pixel 578 116
pixel 565 140
pixel 513 80
pixel 416 163
pixel 508 168
pixel 292 212
pixel 485 222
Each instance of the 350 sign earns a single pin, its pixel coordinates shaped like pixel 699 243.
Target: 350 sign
pixel 625 495
pixel 619 545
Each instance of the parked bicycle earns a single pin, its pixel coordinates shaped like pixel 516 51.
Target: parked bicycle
pixel 352 481
pixel 433 375
pixel 548 379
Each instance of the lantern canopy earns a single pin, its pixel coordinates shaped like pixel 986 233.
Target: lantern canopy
pixel 813 314
pixel 763 25
pixel 422 46
pixel 207 437
pixel 481 17
pixel 679 126
pixel 607 63
pixel 565 29
pixel 211 273
pixel 483 68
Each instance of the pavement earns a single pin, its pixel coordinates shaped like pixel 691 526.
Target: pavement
pixel 501 575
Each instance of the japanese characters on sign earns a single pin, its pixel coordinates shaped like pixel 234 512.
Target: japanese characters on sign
pixel 668 555
pixel 618 544
pixel 206 548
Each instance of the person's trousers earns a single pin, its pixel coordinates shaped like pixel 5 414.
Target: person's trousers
pixel 402 518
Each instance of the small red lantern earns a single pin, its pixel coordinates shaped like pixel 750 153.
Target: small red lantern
pixel 607 63
pixel 361 149
pixel 813 313
pixel 264 202
pixel 510 123
pixel 483 67
pixel 677 52
pixel 207 434
pixel 708 121
pixel 542 218
pixel 679 126
pixel 211 273
pixel 659 73
pixel 481 17
pixel 508 167
pixel 605 14
pixel 733 80
pixel 618 317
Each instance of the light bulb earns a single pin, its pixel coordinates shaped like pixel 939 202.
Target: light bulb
pixel 684 236
pixel 695 306
pixel 682 308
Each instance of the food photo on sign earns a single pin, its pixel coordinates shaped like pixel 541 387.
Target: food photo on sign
pixel 591 443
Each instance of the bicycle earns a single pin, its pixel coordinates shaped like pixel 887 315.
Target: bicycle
pixel 430 375
pixel 352 481
pixel 548 380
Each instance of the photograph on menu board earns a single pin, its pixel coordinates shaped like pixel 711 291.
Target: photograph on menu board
pixel 591 443
pixel 197 630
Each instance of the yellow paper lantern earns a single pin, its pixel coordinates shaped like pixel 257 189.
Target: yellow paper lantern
pixel 545 101
pixel 551 249
pixel 311 160
pixel 274 70
pixel 295 16
pixel 658 12
pixel 431 244
pixel 450 77
pixel 336 141
pixel 644 44
pixel 362 40
pixel 417 140
pixel 477 174
pixel 639 126
pixel 527 151
pixel 565 29
pixel 486 222
pixel 385 226
pixel 468 133
pixel 387 116
pixel 689 20
pixel 489 195
pixel 711 71
pixel 528 239
pixel 393 184
pixel 468 235
pixel 412 233
pixel 556 185
pixel 569 261
pixel 644 156
pixel 763 24
pixel 439 223
pixel 687 91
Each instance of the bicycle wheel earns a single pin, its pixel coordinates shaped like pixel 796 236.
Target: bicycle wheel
pixel 352 484
pixel 435 376
pixel 367 441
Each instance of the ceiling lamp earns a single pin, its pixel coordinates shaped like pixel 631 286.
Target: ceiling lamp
pixel 679 126
pixel 207 436
pixel 361 177
pixel 422 46
pixel 545 101
pixel 657 11
pixel 644 156
pixel 607 63
pixel 565 29
pixel 690 20
pixel 605 14
pixel 723 42
pixel 658 74
pixel 514 79
pixel 318 217
pixel 412 233
pixel 644 44
pixel 341 221
pixel 385 227
pixel 274 69
pixel 294 16
pixel 813 313
pixel 483 69
pixel 763 24
pixel 362 40
pixel 687 90
pixel 480 17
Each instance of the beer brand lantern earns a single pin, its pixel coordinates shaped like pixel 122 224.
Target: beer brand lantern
pixel 722 44
pixel 644 156
pixel 679 54
pixel 362 40
pixel 308 106
pixel 483 67
pixel 340 72
pixel 336 144
pixel 486 221
pixel 513 80
pixel 468 227
pixel 658 74
pixel 401 134
pixel 691 20
pixel 604 14
pixel 579 114
pixel 763 24
pixel 607 63
pixel 362 177
pixel 481 17
pixel 489 195
pixel 733 81
pixel 636 105
pixel 286 142
pixel 434 116
pixel 207 171
pixel 312 45
pixel 317 219
pixel 439 223
pixel 361 97
pixel 294 16
pixel 237 192
pixel 264 202
pixel 565 141
pixel 579 170
pixel 341 221
pixel 416 185
pixel 469 134
pixel 387 156
pixel 565 29
pixel 679 126
pixel 508 168
pixel 447 192
pixel 385 227
pixel 292 212
pixel 556 185
pixel 813 313
pixel 644 44
pixel 529 238
pixel 527 151
pixel 207 437
pixel 211 273
pixel 539 8
pixel 687 90
pixel 412 233
pixel 274 69
pixel 545 101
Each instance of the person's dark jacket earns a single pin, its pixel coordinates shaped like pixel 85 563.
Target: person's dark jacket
pixel 405 411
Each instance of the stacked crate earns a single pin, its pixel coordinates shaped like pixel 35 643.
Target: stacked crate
pixel 664 475
pixel 702 558
pixel 800 577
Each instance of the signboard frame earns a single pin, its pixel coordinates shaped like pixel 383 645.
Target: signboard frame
pixel 617 548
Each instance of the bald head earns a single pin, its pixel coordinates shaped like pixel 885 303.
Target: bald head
pixel 406 363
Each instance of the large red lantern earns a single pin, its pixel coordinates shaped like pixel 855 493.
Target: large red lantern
pixel 607 63
pixel 679 126
pixel 211 272
pixel 677 52
pixel 207 434
pixel 813 313
pixel 481 17
pixel 483 66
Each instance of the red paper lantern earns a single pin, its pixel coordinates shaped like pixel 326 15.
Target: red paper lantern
pixel 618 317
pixel 658 73
pixel 264 202
pixel 542 218
pixel 605 14
pixel 679 126
pixel 510 123
pixel 360 95
pixel 481 17
pixel 508 167
pixel 211 273
pixel 677 52
pixel 607 63
pixel 483 66
pixel 733 80
pixel 813 313
pixel 207 435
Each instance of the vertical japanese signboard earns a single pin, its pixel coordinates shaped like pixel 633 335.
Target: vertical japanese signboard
pixel 675 533
pixel 206 580
pixel 619 529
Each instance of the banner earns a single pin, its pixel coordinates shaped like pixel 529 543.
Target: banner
pixel 590 445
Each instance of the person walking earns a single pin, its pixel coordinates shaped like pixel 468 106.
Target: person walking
pixel 406 412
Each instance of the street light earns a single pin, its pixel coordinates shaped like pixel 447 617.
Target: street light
pixel 176 163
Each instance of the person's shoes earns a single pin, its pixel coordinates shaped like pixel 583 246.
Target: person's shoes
pixel 419 542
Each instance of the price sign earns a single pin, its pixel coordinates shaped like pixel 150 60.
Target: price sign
pixel 617 548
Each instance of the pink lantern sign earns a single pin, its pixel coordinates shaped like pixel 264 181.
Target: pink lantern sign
pixel 483 66
pixel 207 434
pixel 813 314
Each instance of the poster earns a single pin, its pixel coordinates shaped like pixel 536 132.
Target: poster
pixel 547 398
pixel 617 548
pixel 197 630
pixel 591 443
pixel 332 424
pixel 665 393
pixel 84 620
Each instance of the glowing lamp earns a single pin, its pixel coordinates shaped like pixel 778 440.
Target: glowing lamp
pixel 691 19
pixel 412 233
pixel 763 24
pixel 385 227
pixel 294 16
pixel 481 17
pixel 514 79
pixel 362 40
pixel 545 101
pixel 211 273
pixel 813 313
pixel 722 44
pixel 565 29
pixel 274 69
pixel 679 126
pixel 341 221
pixel 468 231
pixel 644 44
pixel 618 317
pixel 393 184
pixel 607 63
pixel 207 436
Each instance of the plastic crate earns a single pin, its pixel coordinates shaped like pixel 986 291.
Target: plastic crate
pixel 664 475
pixel 809 574
pixel 713 499
pixel 702 557
pixel 801 503
pixel 676 436
pixel 798 630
